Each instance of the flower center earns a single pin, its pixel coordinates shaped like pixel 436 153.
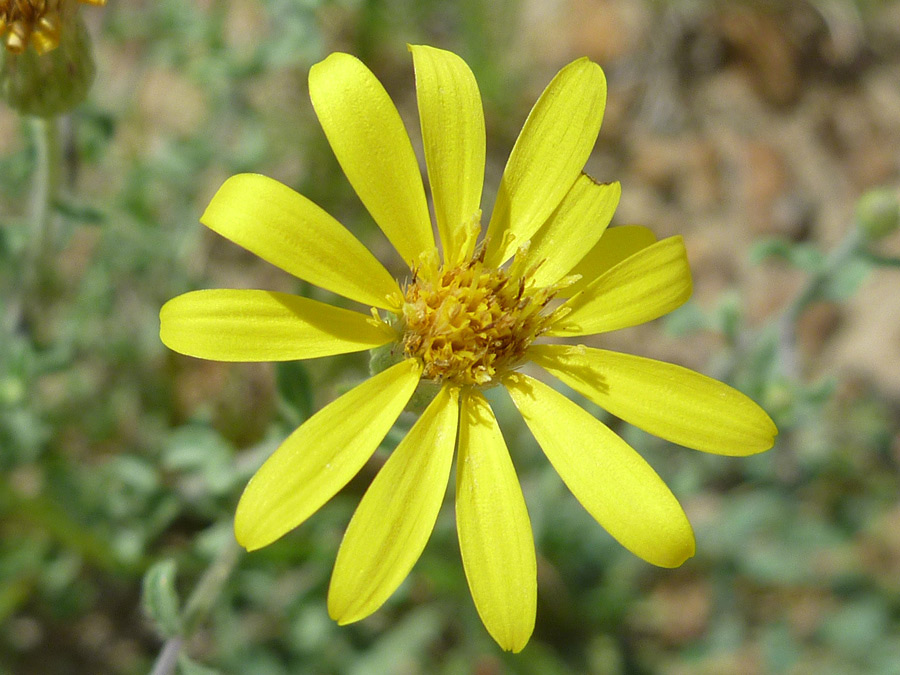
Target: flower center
pixel 36 21
pixel 470 324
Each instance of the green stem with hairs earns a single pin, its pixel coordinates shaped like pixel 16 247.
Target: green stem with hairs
pixel 198 605
pixel 45 184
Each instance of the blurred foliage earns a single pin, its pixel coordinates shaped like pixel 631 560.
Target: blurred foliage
pixel 122 463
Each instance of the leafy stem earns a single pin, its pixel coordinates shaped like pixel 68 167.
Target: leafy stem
pixel 850 246
pixel 198 606
pixel 44 191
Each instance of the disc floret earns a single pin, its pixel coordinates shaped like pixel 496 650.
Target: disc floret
pixel 470 323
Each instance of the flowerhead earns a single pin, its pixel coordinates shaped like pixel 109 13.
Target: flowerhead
pixel 475 307
pixel 46 68
pixel 36 23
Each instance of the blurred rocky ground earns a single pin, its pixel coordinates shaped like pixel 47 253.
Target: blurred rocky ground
pixel 732 122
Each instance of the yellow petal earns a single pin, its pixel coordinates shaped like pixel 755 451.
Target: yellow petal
pixel 613 482
pixel 249 325
pixel 663 399
pixel 289 231
pixel 495 537
pixel 548 156
pixel 573 229
pixel 616 244
pixel 370 142
pixel 453 134
pixel 396 516
pixel 643 287
pixel 321 457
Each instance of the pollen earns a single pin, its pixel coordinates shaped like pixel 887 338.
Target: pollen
pixel 470 324
pixel 35 22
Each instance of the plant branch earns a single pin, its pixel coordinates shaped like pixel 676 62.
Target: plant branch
pixel 849 246
pixel 198 605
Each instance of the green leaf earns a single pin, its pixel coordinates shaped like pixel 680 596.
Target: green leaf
pixel 801 256
pixel 688 319
pixel 727 317
pixel 856 627
pixel 187 666
pixel 160 598
pixel 769 248
pixel 881 260
pixel 846 280
pixel 295 388
pixel 408 640
pixel 77 212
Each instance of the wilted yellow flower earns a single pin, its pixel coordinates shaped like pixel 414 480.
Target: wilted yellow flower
pixel 465 320
pixel 36 22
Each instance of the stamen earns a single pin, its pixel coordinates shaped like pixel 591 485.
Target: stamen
pixel 469 323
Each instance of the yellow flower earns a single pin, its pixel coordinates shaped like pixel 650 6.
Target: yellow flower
pixel 463 322
pixel 36 22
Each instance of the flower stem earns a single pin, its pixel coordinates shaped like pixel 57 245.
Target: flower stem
pixel 198 605
pixel 44 190
pixel 168 657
